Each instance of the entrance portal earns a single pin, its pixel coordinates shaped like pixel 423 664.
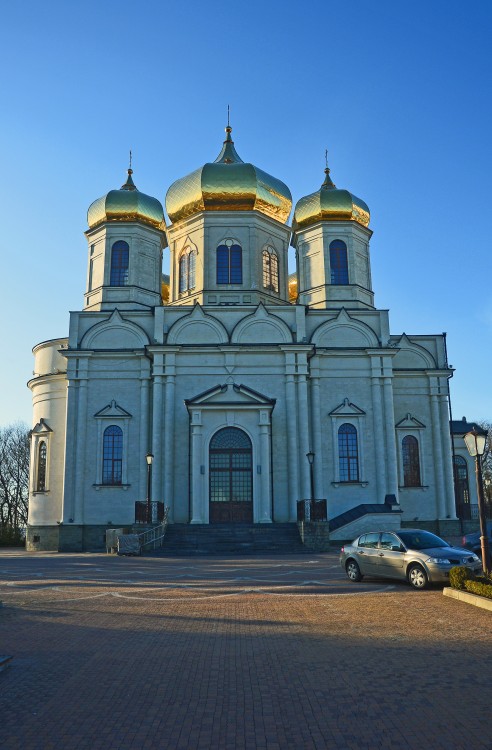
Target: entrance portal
pixel 231 477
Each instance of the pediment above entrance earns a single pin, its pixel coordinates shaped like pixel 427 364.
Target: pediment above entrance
pixel 230 395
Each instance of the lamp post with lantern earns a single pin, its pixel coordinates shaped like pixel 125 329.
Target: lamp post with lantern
pixel 149 458
pixel 310 503
pixel 475 443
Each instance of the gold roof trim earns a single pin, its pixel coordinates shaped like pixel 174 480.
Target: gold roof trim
pixel 228 184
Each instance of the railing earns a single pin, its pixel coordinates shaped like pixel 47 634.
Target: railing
pixel 311 510
pixel 153 538
pixel 469 511
pixel 157 512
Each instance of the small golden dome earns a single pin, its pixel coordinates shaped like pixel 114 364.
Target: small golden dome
pixel 292 283
pixel 165 288
pixel 126 204
pixel 330 204
pixel 228 184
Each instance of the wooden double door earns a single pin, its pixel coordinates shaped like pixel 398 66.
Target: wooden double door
pixel 231 477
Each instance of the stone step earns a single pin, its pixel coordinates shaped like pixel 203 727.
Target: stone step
pixel 230 539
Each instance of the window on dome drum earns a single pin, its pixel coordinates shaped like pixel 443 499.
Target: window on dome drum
pixel 348 453
pixel 229 263
pixel 41 478
pixel 270 269
pixel 112 455
pixel 411 461
pixel 119 263
pixel 338 262
pixel 187 265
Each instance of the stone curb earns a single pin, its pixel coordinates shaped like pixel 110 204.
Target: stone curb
pixel 465 596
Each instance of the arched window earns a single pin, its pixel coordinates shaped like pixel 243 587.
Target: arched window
pixel 411 461
pixel 119 264
pixel 461 487
pixel 270 269
pixel 112 455
pixel 338 262
pixel 187 265
pixel 229 263
pixel 348 453
pixel 41 478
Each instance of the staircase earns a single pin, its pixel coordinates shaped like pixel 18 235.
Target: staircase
pixel 183 539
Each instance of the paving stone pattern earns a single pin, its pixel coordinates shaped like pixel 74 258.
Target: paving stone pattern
pixel 269 653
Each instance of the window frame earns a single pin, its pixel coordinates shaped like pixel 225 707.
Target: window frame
pixel 347 445
pixel 229 263
pixel 410 457
pixel 270 269
pixel 119 270
pixel 110 448
pixel 187 270
pixel 339 270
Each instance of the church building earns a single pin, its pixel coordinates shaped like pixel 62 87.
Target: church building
pixel 252 389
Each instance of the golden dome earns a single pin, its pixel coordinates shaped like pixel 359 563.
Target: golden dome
pixel 126 204
pixel 292 283
pixel 228 184
pixel 165 288
pixel 330 204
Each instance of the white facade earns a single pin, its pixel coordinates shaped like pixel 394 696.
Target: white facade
pixel 290 377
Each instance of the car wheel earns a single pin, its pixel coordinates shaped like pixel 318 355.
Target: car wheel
pixel 353 571
pixel 417 577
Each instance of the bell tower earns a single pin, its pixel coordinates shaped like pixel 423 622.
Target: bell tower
pixel 126 237
pixel 331 238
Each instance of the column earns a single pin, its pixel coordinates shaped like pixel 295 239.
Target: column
pixel 450 507
pixel 80 479
pixel 291 424
pixel 144 436
pixel 438 457
pixel 378 436
pixel 157 410
pixel 197 478
pixel 303 435
pixel 389 415
pixel 169 433
pixel 265 514
pixel 319 490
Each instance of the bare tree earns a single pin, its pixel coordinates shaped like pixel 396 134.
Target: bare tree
pixel 487 462
pixel 14 481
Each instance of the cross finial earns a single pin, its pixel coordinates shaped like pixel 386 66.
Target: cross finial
pixel 228 116
pixel 326 158
pixel 130 160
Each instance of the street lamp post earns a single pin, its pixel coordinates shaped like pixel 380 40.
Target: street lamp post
pixel 475 443
pixel 310 458
pixel 149 458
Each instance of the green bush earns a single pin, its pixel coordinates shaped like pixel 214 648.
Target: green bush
pixel 479 588
pixel 11 537
pixel 459 576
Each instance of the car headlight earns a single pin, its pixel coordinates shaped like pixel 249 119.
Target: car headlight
pixel 438 560
pixel 475 557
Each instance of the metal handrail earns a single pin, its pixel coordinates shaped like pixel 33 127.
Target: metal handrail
pixel 155 535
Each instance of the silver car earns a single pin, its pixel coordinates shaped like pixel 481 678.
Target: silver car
pixel 416 556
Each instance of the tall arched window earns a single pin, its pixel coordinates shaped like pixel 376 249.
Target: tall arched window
pixel 462 488
pixel 348 453
pixel 411 461
pixel 41 478
pixel 270 269
pixel 119 263
pixel 187 265
pixel 338 262
pixel 231 477
pixel 229 263
pixel 112 455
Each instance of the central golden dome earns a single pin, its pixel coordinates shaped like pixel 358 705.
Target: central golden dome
pixel 228 184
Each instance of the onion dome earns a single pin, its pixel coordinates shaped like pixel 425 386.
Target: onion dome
pixel 292 284
pixel 126 204
pixel 330 204
pixel 228 184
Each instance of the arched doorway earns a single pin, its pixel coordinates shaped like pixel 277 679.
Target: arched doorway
pixel 231 477
pixel 462 490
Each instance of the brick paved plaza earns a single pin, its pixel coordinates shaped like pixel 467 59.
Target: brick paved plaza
pixel 252 652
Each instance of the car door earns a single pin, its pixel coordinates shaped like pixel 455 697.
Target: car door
pixel 391 556
pixel 367 553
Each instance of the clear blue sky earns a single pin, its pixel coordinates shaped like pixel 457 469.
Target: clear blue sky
pixel 399 93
